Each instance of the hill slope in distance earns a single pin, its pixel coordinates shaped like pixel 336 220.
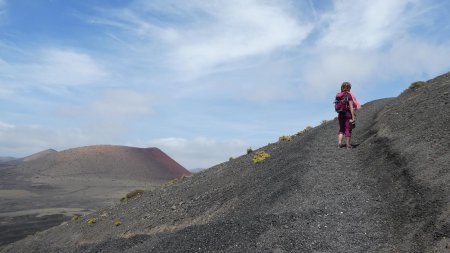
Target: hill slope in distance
pixel 46 188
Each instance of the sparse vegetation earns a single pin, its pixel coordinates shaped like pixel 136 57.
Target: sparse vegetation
pixel 177 180
pixel 417 84
pixel 132 194
pixel 75 217
pixel 92 221
pixel 285 138
pixel 117 223
pixel 324 121
pixel 260 156
pixel 230 159
pixel 249 150
pixel 301 133
pixel 172 181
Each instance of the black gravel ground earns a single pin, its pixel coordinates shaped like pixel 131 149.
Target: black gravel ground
pixel 15 228
pixel 388 194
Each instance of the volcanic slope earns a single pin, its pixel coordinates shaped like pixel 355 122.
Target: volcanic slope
pixel 47 188
pixel 389 194
pixel 106 161
pixel 87 176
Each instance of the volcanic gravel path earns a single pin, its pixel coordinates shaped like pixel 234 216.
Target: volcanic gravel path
pixel 389 194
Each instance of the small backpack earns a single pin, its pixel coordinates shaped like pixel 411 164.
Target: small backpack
pixel 341 103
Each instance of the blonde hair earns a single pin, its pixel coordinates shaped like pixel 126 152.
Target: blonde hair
pixel 346 86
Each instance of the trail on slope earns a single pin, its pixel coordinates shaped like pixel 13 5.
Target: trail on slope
pixel 308 196
pixel 344 205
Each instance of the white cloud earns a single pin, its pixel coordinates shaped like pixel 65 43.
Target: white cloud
pixel 66 68
pixel 23 140
pixel 111 115
pixel 368 24
pixel 210 34
pixel 200 152
pixel 240 29
pixel 328 68
pixel 412 58
pixel 361 41
pixel 120 104
pixel 5 126
pixel 106 120
pixel 52 69
pixel 416 58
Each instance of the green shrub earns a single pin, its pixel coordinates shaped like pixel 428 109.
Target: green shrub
pixel 301 133
pixel 172 181
pixel 285 138
pixel 249 150
pixel 132 194
pixel 75 217
pixel 177 180
pixel 260 156
pixel 92 221
pixel 230 159
pixel 117 223
pixel 417 84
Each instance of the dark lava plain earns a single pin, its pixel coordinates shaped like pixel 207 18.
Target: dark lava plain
pixel 389 194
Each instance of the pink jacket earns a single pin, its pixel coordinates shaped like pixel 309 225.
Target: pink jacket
pixel 355 102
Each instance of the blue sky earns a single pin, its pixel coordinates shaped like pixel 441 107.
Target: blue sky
pixel 202 80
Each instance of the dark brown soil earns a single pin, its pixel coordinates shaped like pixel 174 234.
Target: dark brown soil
pixel 388 194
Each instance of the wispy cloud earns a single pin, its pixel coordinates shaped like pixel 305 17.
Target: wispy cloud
pixel 212 33
pixel 359 40
pixel 241 29
pixel 328 68
pixel 66 68
pixel 416 57
pixel 52 69
pixel 368 25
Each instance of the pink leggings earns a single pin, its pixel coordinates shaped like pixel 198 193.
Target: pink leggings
pixel 344 124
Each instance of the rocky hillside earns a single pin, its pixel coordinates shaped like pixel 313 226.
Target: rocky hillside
pixel 389 194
